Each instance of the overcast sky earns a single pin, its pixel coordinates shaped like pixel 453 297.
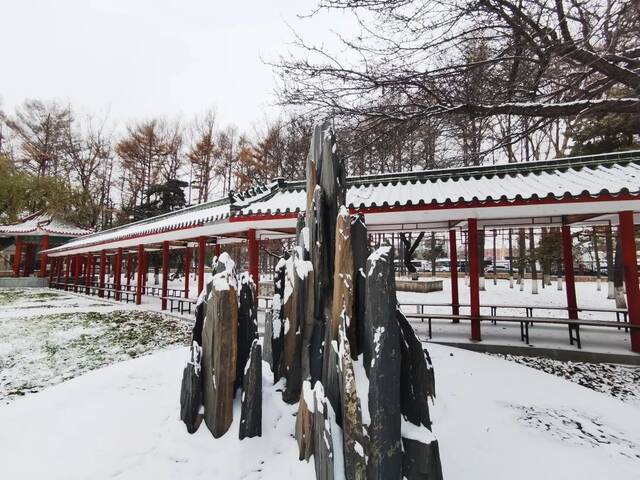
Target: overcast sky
pixel 140 58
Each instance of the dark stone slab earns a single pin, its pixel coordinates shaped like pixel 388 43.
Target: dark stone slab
pixel 247 323
pixel 360 249
pixel 417 382
pixel 324 454
pixel 191 391
pixel 268 336
pixel 421 461
pixel 304 422
pixel 251 412
pixel 277 338
pixel 382 343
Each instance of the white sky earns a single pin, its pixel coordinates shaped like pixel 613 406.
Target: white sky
pixel 134 59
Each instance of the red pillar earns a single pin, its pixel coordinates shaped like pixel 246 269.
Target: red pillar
pixel 187 268
pixel 201 254
pixel 453 257
pixel 474 277
pixel 59 269
pixel 165 274
pixel 44 245
pixel 28 260
pixel 140 274
pixel 88 273
pixel 52 268
pixel 67 272
pixel 253 244
pixel 129 266
pixel 103 271
pixel 630 262
pixel 217 250
pixel 17 257
pixel 117 274
pixel 569 276
pixel 76 272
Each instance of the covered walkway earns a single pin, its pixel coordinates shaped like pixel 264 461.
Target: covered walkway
pixel 566 193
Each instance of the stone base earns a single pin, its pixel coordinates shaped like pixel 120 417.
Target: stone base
pixel 422 286
pixel 24 282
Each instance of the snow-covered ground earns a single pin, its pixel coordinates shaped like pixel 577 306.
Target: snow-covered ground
pixel 48 336
pixel 493 418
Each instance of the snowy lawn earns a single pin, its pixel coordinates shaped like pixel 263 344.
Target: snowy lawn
pixel 494 420
pixel 47 337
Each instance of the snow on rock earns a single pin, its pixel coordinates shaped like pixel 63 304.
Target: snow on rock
pixel 381 254
pixel 123 422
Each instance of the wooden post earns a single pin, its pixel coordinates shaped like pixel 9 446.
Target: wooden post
pixel 44 245
pixel 129 266
pixel 139 280
pixel 474 277
pixel 627 237
pixel 253 245
pixel 117 274
pixel 103 271
pixel 453 256
pixel 569 277
pixel 187 270
pixel 165 274
pixel 67 272
pixel 76 272
pixel 201 254
pixel 88 273
pixel 17 257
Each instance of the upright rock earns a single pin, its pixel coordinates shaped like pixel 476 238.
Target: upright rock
pixel 382 345
pixel 219 350
pixel 277 322
pixel 304 422
pixel 267 339
pixel 360 249
pixel 247 323
pixel 251 413
pixel 191 391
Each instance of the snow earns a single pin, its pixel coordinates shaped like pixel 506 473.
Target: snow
pixel 500 420
pixel 381 254
pixel 123 422
pixel 419 433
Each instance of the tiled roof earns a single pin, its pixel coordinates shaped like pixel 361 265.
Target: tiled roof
pixel 571 177
pixel 43 224
pixel 610 174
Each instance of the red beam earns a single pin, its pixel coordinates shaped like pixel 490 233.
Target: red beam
pixel 474 277
pixel 187 272
pixel 630 262
pixel 17 257
pixel 453 256
pixel 201 254
pixel 44 245
pixel 569 276
pixel 165 274
pixel 253 245
pixel 140 274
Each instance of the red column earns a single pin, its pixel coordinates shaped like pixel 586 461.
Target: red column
pixel 103 272
pixel 17 257
pixel 201 254
pixel 217 250
pixel 88 273
pixel 129 266
pixel 140 274
pixel 187 268
pixel 253 244
pixel 630 262
pixel 474 277
pixel 76 272
pixel 44 245
pixel 117 274
pixel 165 274
pixel 67 272
pixel 569 276
pixel 145 259
pixel 59 269
pixel 453 256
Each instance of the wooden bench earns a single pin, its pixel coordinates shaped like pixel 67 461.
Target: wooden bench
pixel 126 295
pixel 180 304
pixel 525 322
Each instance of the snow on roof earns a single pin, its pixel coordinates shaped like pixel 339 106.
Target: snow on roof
pixel 594 175
pixel 570 177
pixel 41 223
